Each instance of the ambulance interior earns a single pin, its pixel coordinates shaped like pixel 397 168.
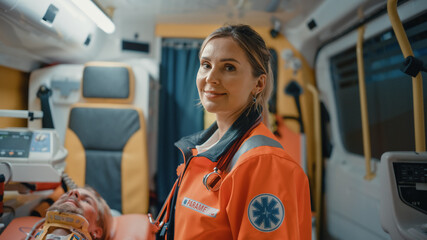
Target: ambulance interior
pixel 86 81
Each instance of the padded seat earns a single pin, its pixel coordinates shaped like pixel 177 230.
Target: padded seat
pixel 106 138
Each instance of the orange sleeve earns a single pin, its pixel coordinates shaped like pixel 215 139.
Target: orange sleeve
pixel 267 197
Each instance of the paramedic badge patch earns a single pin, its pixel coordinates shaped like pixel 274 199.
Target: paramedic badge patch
pixel 266 212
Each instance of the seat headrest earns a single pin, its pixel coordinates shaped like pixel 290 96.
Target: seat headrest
pixel 108 82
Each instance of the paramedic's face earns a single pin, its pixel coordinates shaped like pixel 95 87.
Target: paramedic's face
pixel 79 201
pixel 225 81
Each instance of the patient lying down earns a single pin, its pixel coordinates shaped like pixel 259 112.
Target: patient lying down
pixel 80 213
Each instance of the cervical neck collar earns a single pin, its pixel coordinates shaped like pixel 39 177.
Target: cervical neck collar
pixel 75 223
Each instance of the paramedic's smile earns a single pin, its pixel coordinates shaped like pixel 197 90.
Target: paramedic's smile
pixel 211 95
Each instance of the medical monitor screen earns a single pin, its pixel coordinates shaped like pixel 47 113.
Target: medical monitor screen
pixel 15 144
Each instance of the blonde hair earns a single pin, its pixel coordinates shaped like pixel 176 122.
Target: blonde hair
pixel 258 55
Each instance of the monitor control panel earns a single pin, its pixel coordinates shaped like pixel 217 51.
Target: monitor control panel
pixel 403 199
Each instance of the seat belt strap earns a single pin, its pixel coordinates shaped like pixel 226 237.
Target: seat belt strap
pixel 44 93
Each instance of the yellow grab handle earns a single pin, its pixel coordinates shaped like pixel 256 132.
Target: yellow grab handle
pixel 318 157
pixel 417 81
pixel 364 103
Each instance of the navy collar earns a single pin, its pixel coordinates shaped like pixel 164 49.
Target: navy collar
pixel 233 134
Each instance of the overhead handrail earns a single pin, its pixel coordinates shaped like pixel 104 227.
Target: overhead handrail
pixel 363 102
pixel 317 157
pixel 417 81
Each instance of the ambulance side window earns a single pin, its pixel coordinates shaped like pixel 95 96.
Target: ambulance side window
pixel 389 91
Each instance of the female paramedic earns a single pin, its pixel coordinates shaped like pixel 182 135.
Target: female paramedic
pixel 236 182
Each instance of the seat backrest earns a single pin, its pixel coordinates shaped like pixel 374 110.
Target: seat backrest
pixel 106 138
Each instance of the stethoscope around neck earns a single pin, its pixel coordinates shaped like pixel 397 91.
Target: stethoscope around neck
pixel 213 180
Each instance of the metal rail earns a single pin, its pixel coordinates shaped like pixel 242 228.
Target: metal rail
pixel 363 102
pixel 417 81
pixel 318 157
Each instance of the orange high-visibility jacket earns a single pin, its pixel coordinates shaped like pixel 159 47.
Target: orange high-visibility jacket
pixel 264 194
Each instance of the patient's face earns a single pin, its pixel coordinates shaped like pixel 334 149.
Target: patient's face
pixel 78 201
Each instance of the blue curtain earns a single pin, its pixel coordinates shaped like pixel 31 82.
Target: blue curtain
pixel 179 112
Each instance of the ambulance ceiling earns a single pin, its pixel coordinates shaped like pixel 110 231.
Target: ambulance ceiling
pixel 254 12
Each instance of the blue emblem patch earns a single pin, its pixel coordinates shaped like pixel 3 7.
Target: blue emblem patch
pixel 266 212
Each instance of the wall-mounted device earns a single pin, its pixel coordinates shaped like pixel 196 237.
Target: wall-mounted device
pixel 31 155
pixel 28 155
pixel 404 195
